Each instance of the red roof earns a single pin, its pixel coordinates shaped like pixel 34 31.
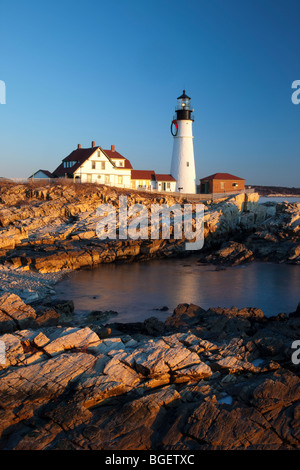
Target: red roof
pixel 222 176
pixel 81 155
pixel 113 154
pixel 142 175
pixel 164 177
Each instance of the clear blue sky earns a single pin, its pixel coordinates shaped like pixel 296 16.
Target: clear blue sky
pixel 78 71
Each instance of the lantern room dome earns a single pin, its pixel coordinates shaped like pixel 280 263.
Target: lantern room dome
pixel 183 108
pixel 183 96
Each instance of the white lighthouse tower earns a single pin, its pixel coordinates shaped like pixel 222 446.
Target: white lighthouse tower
pixel 183 162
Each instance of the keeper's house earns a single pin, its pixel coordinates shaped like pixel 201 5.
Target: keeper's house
pixel 221 183
pixel 95 165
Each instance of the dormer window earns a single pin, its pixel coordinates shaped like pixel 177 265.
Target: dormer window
pixel 69 164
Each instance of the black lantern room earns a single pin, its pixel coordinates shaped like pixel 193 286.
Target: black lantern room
pixel 183 108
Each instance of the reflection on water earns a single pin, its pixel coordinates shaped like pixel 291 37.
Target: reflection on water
pixel 135 290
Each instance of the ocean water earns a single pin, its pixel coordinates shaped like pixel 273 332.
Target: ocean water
pixel 135 290
pixel 263 199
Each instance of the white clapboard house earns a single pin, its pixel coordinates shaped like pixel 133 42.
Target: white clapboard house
pixel 96 165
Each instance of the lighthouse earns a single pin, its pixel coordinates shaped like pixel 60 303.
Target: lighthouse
pixel 183 162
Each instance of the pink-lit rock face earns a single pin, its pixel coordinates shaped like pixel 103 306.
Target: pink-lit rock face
pixel 198 384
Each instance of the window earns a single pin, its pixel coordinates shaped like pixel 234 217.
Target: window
pixel 168 185
pixel 120 179
pixel 222 185
pixel 102 165
pixel 121 164
pixel 106 178
pixel 133 184
pixel 187 163
pixel 93 165
pixel 99 153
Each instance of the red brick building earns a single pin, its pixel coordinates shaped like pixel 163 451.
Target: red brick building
pixel 221 183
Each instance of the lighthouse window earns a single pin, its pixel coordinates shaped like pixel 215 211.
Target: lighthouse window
pixel 187 163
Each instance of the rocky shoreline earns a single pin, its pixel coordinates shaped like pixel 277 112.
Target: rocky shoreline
pixel 277 191
pixel 203 379
pixel 47 230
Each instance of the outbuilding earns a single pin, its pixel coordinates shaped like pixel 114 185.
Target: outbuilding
pixel 41 174
pixel 221 183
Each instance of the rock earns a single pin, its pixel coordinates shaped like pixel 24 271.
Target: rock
pixel 15 314
pixel 231 253
pixel 184 315
pixel 40 340
pixel 211 379
pixel 281 389
pixel 155 358
pixel 153 327
pixel 14 352
pixel 28 387
pixel 234 365
pixel 72 338
pixel 195 372
pixel 297 312
pixel 101 317
pixel 120 372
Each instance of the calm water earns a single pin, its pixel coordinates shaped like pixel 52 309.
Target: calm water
pixel 135 290
pixel 278 199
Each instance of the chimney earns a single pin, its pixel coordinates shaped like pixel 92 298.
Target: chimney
pixel 113 148
pixel 93 143
pixel 79 146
